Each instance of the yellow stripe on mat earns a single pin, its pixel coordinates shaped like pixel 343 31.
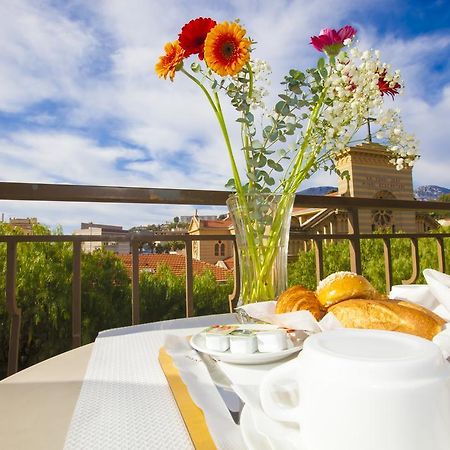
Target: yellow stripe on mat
pixel 193 416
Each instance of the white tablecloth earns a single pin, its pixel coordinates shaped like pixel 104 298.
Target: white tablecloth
pixel 125 401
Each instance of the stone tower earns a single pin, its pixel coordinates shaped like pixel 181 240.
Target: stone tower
pixel 373 176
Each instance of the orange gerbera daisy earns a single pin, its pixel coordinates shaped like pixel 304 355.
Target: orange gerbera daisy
pixel 226 49
pixel 169 63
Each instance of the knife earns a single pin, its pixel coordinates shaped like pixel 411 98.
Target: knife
pixel 223 385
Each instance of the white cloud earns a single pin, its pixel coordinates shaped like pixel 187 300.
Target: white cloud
pixel 42 55
pixel 121 125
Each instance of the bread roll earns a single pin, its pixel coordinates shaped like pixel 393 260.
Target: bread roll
pixel 392 315
pixel 341 286
pixel 298 298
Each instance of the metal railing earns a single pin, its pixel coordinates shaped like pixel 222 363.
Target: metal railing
pixel 108 194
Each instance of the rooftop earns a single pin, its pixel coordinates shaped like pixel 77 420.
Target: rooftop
pixel 176 263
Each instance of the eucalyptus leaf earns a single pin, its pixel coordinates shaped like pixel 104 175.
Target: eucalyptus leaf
pixel 274 165
pixel 269 180
pixel 230 184
pixel 282 108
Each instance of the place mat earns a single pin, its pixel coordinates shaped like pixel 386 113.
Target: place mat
pixel 125 401
pixel 193 416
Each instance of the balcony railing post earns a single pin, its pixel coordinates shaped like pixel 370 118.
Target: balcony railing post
pixel 387 263
pixel 318 253
pixel 441 253
pixel 354 243
pixel 76 295
pixel 11 306
pixel 189 280
pixel 415 262
pixel 135 300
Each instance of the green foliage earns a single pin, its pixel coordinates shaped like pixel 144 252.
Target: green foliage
pixel 44 293
pixel 336 258
pixel 105 294
pixel 442 214
pixel 211 297
pixel 163 295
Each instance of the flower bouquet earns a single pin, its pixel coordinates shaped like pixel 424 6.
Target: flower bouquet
pixel 319 112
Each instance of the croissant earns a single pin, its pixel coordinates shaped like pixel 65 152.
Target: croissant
pixel 298 298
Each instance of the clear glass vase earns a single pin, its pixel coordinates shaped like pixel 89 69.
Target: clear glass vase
pixel 261 225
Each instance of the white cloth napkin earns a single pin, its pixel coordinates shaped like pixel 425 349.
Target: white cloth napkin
pixel 439 284
pixel 245 380
pixel 225 433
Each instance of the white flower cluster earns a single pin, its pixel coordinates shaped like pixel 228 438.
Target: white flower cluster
pixel 402 145
pixel 355 89
pixel 261 83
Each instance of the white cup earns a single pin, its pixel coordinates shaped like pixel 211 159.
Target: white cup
pixel 363 390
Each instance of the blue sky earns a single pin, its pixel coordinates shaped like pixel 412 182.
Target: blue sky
pixel 80 103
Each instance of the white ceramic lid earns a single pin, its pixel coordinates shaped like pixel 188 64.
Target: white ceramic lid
pixel 373 354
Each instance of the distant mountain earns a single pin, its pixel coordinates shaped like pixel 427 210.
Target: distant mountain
pixel 318 190
pixel 430 192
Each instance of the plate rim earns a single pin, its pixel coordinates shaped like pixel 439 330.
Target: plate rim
pixel 247 358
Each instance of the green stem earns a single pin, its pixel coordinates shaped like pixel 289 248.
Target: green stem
pixel 293 180
pixel 250 73
pixel 218 112
pixel 223 127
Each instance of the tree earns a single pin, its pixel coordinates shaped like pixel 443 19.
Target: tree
pixel 442 214
pixel 44 292
pixel 336 258
pixel 163 295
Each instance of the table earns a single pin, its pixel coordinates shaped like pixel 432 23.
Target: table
pixel 36 404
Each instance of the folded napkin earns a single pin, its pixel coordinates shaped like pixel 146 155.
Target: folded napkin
pixel 439 284
pixel 225 433
pixel 245 382
pixel 298 320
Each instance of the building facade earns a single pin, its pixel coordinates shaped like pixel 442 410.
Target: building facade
pixel 371 175
pixel 94 229
pixel 211 251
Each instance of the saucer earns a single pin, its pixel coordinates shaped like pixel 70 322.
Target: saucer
pixel 276 435
pixel 253 439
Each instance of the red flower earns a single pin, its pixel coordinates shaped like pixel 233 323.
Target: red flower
pixel 385 86
pixel 193 35
pixel 331 41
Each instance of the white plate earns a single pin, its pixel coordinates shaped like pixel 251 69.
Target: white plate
pixel 198 343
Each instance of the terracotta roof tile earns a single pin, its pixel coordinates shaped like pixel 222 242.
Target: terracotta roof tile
pixel 215 223
pixel 229 263
pixel 176 263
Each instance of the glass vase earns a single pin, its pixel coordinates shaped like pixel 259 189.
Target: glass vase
pixel 261 225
